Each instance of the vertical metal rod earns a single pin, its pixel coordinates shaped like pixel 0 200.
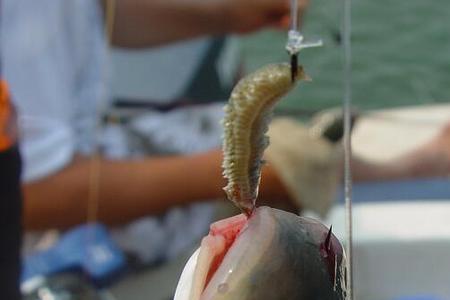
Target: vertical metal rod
pixel 346 29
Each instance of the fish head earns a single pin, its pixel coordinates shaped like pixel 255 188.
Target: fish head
pixel 271 255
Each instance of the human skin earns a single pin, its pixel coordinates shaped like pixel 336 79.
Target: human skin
pixel 129 189
pixel 132 188
pixel 427 160
pixel 145 23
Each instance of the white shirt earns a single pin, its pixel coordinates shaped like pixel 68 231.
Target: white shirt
pixel 54 54
pixel 146 74
pixel 54 60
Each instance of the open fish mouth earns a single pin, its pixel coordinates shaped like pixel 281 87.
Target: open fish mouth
pixel 271 255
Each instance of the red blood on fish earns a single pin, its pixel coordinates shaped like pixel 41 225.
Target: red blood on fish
pixel 271 255
pixel 220 238
pixel 330 250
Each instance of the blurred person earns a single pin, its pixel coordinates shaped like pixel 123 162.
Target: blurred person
pixel 55 60
pixel 57 70
pixel 10 197
pixel 54 57
pixel 206 67
pixel 431 159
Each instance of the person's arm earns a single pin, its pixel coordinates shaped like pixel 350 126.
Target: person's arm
pixel 431 159
pixel 131 189
pixel 144 23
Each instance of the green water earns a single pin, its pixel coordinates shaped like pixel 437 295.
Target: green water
pixel 400 54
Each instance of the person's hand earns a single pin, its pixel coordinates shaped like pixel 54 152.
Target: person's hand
pixel 307 164
pixel 243 16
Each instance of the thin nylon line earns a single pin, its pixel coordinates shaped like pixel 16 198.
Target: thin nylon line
pixel 294 15
pixel 347 142
pixel 110 16
pixel 94 166
pixel 94 187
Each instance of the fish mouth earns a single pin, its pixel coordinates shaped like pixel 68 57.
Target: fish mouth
pixel 214 247
pixel 287 255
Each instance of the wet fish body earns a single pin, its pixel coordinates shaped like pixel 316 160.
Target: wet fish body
pixel 279 255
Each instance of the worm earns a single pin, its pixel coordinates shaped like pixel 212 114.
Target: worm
pixel 247 117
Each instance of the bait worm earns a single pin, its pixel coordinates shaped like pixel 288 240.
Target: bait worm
pixel 247 116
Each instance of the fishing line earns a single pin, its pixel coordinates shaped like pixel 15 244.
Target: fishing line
pixel 110 13
pixel 95 162
pixel 346 39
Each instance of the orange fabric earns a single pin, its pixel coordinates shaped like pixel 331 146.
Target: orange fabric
pixel 7 118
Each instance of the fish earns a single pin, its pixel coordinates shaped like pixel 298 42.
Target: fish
pixel 273 254
pixel 263 253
